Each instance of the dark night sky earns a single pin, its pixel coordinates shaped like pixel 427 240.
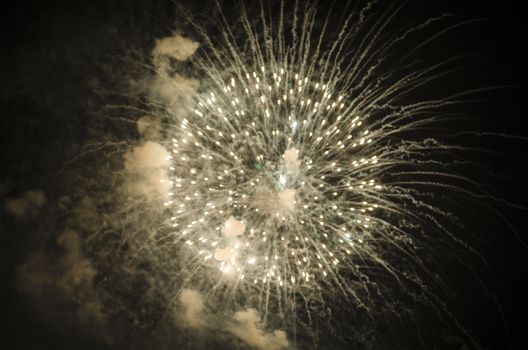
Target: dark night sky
pixel 53 53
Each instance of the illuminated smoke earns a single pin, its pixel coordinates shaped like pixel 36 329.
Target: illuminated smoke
pixel 193 305
pixel 248 330
pixel 29 204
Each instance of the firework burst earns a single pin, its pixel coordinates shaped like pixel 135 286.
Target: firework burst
pixel 298 172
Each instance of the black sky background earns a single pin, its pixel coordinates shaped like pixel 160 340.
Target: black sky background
pixel 46 69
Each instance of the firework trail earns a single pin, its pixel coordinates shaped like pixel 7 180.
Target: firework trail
pixel 297 176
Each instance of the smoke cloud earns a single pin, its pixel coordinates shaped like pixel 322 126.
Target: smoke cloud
pixel 147 166
pixel 57 278
pixel 193 305
pixel 247 326
pixel 176 47
pixel 61 279
pixel 174 91
pixel 148 126
pixel 225 254
pixel 233 228
pixel 27 205
pixel 147 163
pixel 249 331
pixel 291 160
pixel 286 199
